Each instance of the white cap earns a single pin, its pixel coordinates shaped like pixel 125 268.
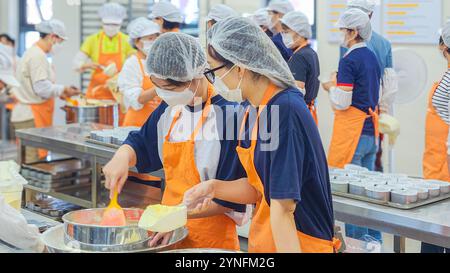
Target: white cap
pixel 112 13
pixel 358 20
pixel 261 17
pixel 52 26
pixel 280 6
pixel 298 22
pixel 446 34
pixel 220 12
pixel 368 6
pixel 167 11
pixel 6 67
pixel 142 27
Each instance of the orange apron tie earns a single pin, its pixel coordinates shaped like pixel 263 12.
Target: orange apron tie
pixel 348 127
pixel 138 118
pixel 435 162
pixel 260 237
pixel 313 109
pixel 181 175
pixel 43 118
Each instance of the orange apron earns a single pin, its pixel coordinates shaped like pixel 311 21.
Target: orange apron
pixel 260 237
pixel 97 89
pixel 43 118
pixel 312 107
pixel 135 118
pixel 348 127
pixel 435 162
pixel 181 175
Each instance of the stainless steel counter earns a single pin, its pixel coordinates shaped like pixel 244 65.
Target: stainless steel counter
pixel 70 140
pixel 430 224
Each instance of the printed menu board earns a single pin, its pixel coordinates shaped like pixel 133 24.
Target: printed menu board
pixel 412 21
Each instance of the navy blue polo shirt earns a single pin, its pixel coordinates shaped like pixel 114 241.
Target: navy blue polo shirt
pixel 291 162
pixel 146 143
pixel 277 39
pixel 361 71
pixel 305 67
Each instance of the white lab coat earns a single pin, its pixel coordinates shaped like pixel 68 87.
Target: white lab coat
pixel 15 230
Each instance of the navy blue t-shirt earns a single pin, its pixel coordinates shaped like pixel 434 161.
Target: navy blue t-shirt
pixel 291 162
pixel 305 67
pixel 146 143
pixel 277 39
pixel 360 70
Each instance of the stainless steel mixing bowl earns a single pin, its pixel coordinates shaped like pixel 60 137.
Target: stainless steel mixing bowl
pixel 83 226
pixel 54 240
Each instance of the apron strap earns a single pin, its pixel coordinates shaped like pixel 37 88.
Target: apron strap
pixel 267 97
pixel 375 119
pixel 141 65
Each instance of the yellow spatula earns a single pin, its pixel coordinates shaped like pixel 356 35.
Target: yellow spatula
pixel 114 215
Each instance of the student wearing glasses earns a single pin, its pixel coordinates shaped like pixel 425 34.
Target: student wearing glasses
pixel 187 136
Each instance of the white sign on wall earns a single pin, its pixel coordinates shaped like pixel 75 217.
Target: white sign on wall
pixel 336 8
pixel 412 21
pixel 400 21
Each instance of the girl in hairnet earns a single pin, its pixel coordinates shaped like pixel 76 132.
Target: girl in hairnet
pixel 279 148
pixel 188 137
pixel 437 137
pixel 138 91
pixel 354 97
pixel 167 16
pixel 304 63
pixel 218 13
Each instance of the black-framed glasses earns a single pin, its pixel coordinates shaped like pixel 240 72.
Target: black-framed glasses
pixel 210 74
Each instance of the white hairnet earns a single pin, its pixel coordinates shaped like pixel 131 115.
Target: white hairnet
pixel 52 26
pixel 112 13
pixel 358 20
pixel 142 27
pixel 446 34
pixel 298 22
pixel 6 67
pixel 261 17
pixel 167 11
pixel 280 6
pixel 220 12
pixel 177 56
pixel 368 6
pixel 242 42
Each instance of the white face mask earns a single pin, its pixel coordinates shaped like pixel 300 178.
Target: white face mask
pixel 234 95
pixel 288 39
pixel 56 49
pixel 343 40
pixel 173 98
pixel 111 30
pixel 147 46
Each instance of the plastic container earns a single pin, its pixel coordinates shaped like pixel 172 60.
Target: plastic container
pixel 11 184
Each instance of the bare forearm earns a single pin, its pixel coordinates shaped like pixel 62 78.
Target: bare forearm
pixel 283 225
pixel 127 154
pixel 239 191
pixel 213 210
pixel 147 96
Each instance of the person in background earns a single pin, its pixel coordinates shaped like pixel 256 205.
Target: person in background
pixel 7 78
pixel 218 13
pixel 183 136
pixel 167 16
pixel 436 159
pixel 37 78
pixel 277 9
pixel 262 19
pixel 389 83
pixel 304 63
pixel 134 83
pixel 106 47
pixel 287 171
pixel 354 95
pixel 6 40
